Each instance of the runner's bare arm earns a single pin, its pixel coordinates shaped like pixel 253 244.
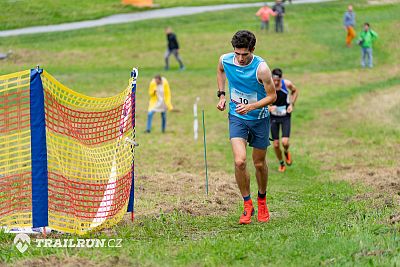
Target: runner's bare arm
pixel 264 75
pixel 221 78
pixel 294 92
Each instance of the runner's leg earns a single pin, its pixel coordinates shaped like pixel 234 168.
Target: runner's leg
pixel 260 164
pixel 241 173
pixel 275 125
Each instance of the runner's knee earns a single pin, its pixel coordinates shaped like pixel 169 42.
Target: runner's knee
pixel 285 141
pixel 240 164
pixel 259 164
pixel 276 143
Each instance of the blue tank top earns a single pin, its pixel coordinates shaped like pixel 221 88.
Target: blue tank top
pixel 244 86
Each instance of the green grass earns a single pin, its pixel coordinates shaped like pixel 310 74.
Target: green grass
pixel 316 220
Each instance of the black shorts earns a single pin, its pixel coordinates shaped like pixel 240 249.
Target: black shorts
pixel 276 123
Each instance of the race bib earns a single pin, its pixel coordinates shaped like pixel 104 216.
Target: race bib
pixel 279 111
pixel 239 97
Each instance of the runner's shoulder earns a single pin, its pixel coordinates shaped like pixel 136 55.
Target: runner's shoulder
pixel 288 83
pixel 263 69
pixel 223 58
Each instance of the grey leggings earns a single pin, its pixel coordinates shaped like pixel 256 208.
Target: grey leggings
pixel 175 53
pixel 278 24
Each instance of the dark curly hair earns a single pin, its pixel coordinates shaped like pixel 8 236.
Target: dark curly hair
pixel 244 39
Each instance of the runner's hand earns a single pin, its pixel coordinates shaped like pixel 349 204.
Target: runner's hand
pixel 221 104
pixel 271 108
pixel 243 109
pixel 289 108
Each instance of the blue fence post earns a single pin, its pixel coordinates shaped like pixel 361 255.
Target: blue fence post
pixel 131 203
pixel 40 199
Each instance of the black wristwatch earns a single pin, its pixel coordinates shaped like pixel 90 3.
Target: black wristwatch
pixel 219 93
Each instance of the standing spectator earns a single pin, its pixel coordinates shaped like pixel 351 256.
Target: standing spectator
pixel 349 22
pixel 367 36
pixel 279 11
pixel 172 48
pixel 264 14
pixel 160 101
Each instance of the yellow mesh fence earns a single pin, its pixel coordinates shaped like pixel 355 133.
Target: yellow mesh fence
pixel 15 150
pixel 89 155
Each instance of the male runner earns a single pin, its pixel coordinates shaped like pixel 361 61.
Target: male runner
pixel 251 91
pixel 281 111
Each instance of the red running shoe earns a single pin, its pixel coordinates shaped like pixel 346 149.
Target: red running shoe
pixel 282 168
pixel 288 158
pixel 263 213
pixel 247 213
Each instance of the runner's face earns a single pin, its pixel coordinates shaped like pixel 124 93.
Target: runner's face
pixel 277 82
pixel 243 56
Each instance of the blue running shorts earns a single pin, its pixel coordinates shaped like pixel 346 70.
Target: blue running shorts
pixel 256 132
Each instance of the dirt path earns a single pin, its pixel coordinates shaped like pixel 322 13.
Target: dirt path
pixel 195 201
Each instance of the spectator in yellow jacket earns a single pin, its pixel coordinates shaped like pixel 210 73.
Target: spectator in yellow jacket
pixel 160 101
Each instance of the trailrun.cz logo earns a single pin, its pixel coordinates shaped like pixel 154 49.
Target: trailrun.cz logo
pixel 23 241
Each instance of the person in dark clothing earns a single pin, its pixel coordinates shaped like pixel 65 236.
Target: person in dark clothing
pixel 172 48
pixel 279 10
pixel 281 111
